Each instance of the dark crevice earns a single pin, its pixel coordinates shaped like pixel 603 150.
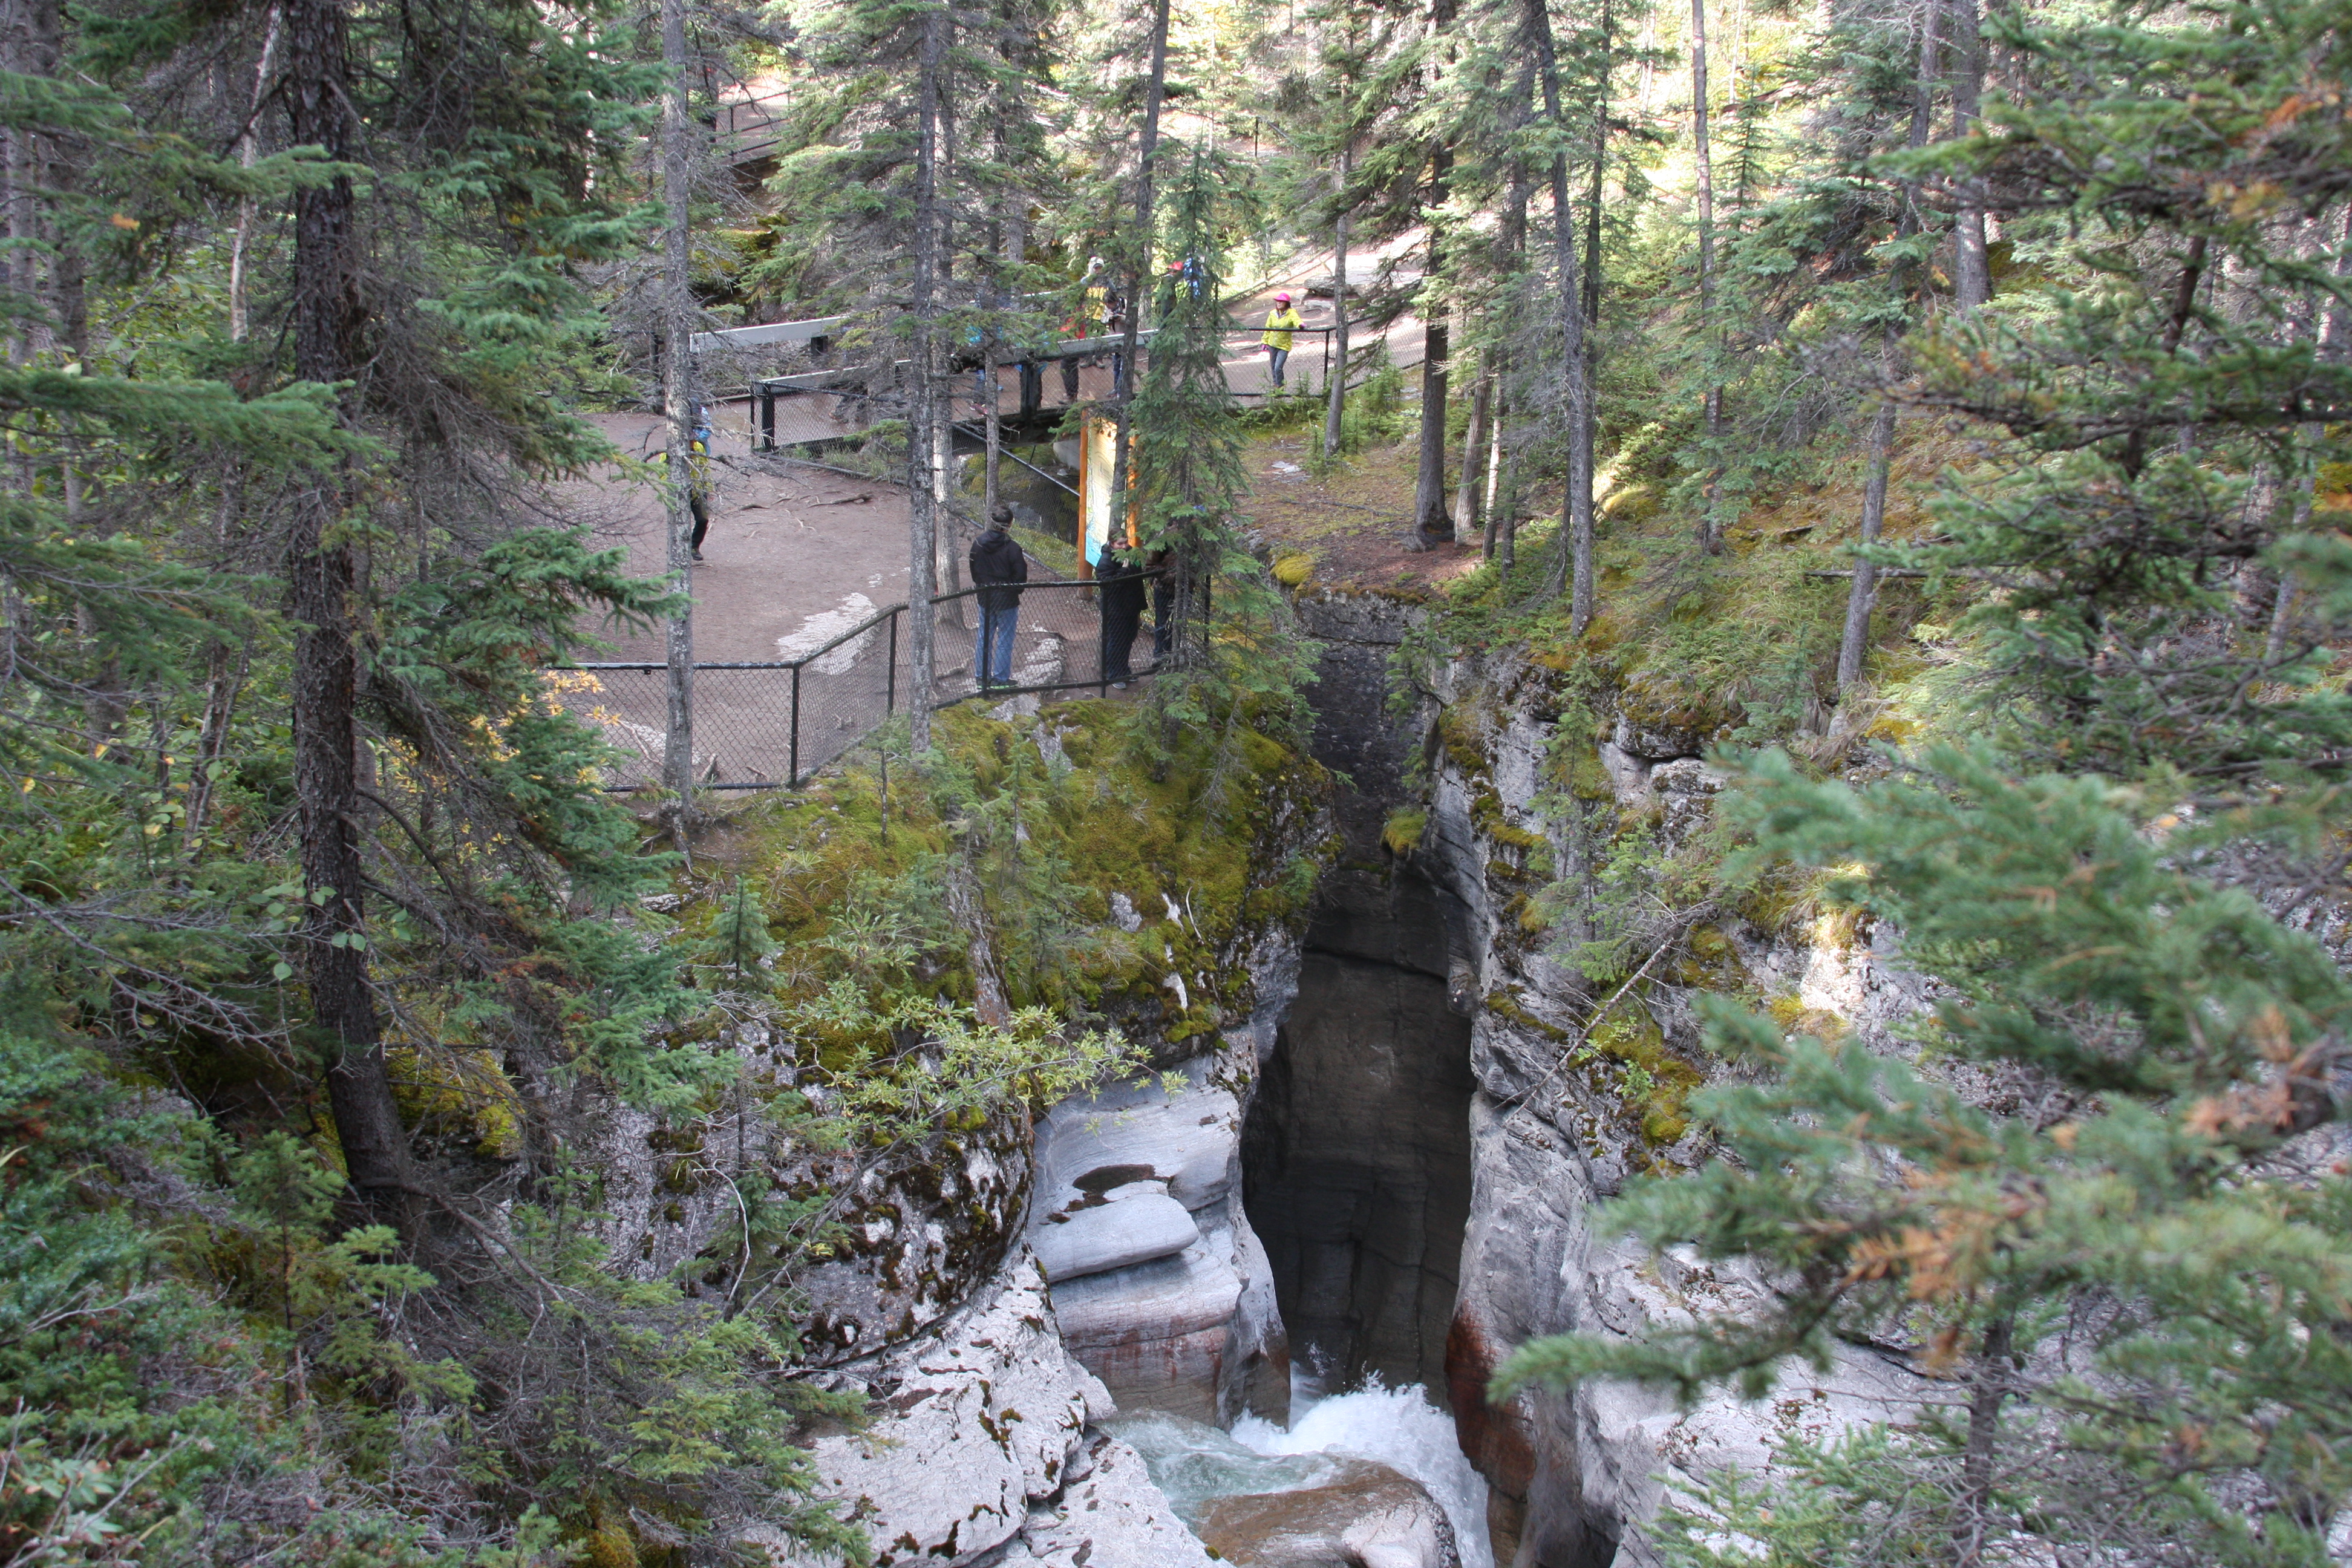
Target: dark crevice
pixel 1356 1155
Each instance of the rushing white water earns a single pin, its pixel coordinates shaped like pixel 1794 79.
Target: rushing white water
pixel 1398 1426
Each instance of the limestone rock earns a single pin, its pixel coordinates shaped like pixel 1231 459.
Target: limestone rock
pixel 1360 1152
pixel 1128 1133
pixel 1162 1288
pixel 973 1423
pixel 1367 1516
pixel 1113 1234
pixel 1112 1517
pixel 1156 1334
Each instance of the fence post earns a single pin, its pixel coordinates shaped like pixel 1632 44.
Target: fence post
pixel 796 727
pixel 891 677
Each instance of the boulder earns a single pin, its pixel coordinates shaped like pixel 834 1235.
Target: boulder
pixel 1367 1516
pixel 1128 1227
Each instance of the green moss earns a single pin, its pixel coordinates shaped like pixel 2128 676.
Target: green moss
pixel 457 1093
pixel 1401 833
pixel 1292 571
pixel 1709 962
pixel 1464 741
pixel 1221 826
pixel 1503 1005
pixel 1656 1084
pixel 1488 815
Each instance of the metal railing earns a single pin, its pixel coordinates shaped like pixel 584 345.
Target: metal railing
pixel 772 725
pixel 1024 370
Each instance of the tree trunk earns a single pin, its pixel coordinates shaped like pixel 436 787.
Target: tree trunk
pixel 248 151
pixel 1474 446
pixel 1432 524
pixel 1972 1521
pixel 330 319
pixel 1491 460
pixel 1971 268
pixel 1583 600
pixel 1154 89
pixel 995 437
pixel 1335 391
pixel 1859 597
pixel 1501 476
pixel 1576 507
pixel 1431 521
pixel 1710 531
pixel 677 409
pixel 922 501
pixel 1600 174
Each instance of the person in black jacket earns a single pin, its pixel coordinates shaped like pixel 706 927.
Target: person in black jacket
pixel 998 569
pixel 1122 577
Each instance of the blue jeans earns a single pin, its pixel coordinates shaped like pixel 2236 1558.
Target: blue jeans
pixel 1277 358
pixel 991 649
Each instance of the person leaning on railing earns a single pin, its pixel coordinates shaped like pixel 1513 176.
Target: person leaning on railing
pixel 998 569
pixel 1121 572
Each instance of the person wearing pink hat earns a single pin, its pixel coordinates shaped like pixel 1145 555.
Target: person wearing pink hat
pixel 1279 325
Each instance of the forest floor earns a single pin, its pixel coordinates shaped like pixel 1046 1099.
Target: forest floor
pixel 796 555
pixel 1353 520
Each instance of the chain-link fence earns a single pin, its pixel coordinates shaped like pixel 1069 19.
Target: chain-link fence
pixel 770 725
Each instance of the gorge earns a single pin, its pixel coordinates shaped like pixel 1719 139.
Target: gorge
pixel 1376 1177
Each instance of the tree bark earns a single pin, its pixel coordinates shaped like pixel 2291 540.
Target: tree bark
pixel 1466 510
pixel 1154 88
pixel 1335 391
pixel 922 500
pixel 247 152
pixel 1491 458
pixel 1864 589
pixel 1971 266
pixel 1502 475
pixel 329 323
pixel 1704 156
pixel 677 410
pixel 1583 598
pixel 1432 525
pixel 1593 198
pixel 1576 507
pixel 1973 1523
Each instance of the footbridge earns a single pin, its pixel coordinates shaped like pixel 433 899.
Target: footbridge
pixel 1032 387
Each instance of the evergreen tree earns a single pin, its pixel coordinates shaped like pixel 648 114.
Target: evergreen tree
pixel 2135 1288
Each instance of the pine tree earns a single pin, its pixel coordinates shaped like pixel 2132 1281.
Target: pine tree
pixel 2134 1287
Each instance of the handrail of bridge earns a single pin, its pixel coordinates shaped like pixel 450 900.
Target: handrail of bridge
pixel 814 329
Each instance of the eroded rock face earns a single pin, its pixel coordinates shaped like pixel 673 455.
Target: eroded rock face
pixel 1160 1286
pixel 922 1230
pixel 1111 1516
pixel 1513 822
pixel 1366 1516
pixel 1556 1130
pixel 979 1449
pixel 1359 1156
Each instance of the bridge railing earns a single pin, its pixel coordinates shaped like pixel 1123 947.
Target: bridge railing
pixel 1026 387
pixel 772 725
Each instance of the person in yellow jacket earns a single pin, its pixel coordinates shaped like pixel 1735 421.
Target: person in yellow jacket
pixel 1279 325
